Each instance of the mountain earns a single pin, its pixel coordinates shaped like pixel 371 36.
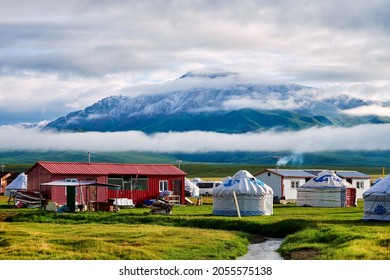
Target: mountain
pixel 218 101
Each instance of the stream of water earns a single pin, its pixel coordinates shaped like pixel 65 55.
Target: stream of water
pixel 263 251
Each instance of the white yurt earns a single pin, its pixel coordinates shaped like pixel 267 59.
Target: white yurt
pixel 19 183
pixel 192 188
pixel 377 201
pixel 326 190
pixel 254 198
pixel 377 181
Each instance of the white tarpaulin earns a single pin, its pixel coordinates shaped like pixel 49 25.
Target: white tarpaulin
pixel 377 201
pixel 192 188
pixel 20 183
pixel 253 196
pixel 325 190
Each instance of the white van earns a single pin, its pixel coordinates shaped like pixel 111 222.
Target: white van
pixel 206 187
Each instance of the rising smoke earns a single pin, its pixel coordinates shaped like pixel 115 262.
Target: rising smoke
pixel 296 159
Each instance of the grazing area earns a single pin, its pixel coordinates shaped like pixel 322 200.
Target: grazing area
pixel 91 241
pixel 190 233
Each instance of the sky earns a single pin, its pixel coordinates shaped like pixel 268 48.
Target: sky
pixel 60 56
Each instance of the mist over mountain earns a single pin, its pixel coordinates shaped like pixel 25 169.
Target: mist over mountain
pixel 231 107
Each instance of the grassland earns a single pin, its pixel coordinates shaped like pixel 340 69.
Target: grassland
pixel 192 232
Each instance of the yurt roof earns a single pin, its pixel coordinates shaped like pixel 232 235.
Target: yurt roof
pixel 377 180
pixel 326 179
pixel 382 187
pixel 242 183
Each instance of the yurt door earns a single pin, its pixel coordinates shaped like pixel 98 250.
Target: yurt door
pixel 351 197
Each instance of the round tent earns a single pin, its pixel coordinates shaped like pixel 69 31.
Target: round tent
pixel 254 198
pixel 377 201
pixel 20 183
pixel 326 190
pixel 377 181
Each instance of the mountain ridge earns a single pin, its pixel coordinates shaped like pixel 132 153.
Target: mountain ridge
pixel 232 108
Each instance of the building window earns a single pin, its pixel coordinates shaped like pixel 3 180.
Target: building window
pixel 163 185
pixel 294 184
pixel 360 184
pixel 115 181
pixel 140 183
pixel 129 182
pixel 73 180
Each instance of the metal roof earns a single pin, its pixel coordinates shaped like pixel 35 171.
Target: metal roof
pixel 65 183
pixel 97 168
pixel 292 173
pixel 351 174
pixel 342 173
pixel 310 173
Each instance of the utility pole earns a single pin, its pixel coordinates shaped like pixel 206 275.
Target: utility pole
pixel 179 161
pixel 2 167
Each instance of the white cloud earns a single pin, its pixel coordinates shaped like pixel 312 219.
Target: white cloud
pixel 375 110
pixel 74 106
pixel 95 117
pixel 362 137
pixel 264 104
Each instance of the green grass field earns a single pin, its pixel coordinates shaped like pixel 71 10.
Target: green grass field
pixel 190 233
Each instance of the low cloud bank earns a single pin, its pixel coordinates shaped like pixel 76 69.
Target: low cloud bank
pixel 362 137
pixel 369 110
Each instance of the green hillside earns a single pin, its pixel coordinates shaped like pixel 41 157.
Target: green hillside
pixel 218 164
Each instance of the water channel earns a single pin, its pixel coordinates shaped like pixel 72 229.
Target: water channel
pixel 263 251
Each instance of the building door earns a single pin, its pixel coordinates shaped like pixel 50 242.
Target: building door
pixel 71 198
pixel 177 187
pixel 351 197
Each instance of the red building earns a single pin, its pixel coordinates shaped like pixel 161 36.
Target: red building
pixel 138 181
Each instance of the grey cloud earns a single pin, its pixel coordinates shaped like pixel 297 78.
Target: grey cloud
pixel 136 42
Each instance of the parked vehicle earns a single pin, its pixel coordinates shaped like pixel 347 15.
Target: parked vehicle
pixel 206 187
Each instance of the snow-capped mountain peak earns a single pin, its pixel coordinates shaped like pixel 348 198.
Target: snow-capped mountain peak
pixel 207 73
pixel 234 108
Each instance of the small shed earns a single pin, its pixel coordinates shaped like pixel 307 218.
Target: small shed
pixel 85 200
pixel 326 190
pixel 138 182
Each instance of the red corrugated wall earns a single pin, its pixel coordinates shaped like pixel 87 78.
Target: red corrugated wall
pixel 58 193
pixel 38 175
pixel 153 189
